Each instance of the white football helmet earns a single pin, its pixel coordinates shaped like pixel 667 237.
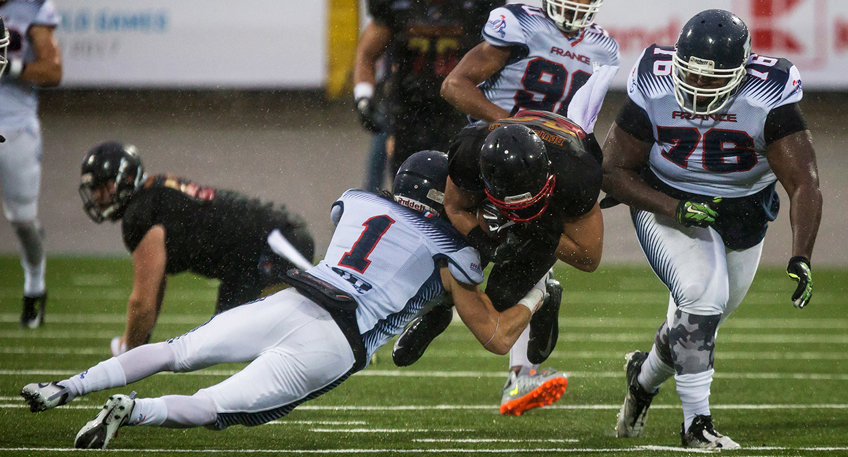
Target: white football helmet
pixel 4 43
pixel 571 16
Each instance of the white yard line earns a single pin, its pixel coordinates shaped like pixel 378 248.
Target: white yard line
pixel 431 451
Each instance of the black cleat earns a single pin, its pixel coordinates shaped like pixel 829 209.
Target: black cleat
pixel 702 435
pixel 33 314
pixel 544 325
pixel 634 411
pixel 411 344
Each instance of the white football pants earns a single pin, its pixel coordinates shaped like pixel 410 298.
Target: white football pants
pixel 20 172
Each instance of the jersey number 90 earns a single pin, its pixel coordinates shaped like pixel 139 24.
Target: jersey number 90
pixel 549 79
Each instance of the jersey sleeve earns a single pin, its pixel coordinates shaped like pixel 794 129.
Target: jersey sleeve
pixel 465 266
pixel 792 90
pixel 138 219
pixel 503 29
pixel 381 11
pixel 464 157
pixel 612 55
pixel 633 90
pixel 47 15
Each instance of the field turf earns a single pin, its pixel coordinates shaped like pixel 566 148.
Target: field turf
pixel 781 383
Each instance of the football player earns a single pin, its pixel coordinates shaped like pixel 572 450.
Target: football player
pixel 33 61
pixel 534 184
pixel 171 225
pixel 706 132
pixel 532 58
pixel 424 40
pixel 387 259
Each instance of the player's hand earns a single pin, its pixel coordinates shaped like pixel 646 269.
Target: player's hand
pixel 496 222
pixel 509 249
pixel 701 214
pixel 799 270
pixel 118 346
pixel 367 110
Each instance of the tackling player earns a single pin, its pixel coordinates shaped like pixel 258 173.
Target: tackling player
pixel 386 261
pixel 707 131
pixel 171 225
pixel 34 61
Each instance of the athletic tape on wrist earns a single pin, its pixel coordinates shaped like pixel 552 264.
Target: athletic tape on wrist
pixel 533 299
pixel 16 67
pixel 363 90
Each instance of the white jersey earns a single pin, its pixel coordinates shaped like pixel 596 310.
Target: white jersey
pixel 722 154
pixel 545 67
pixel 18 99
pixel 385 256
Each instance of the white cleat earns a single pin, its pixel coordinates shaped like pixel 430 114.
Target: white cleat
pixel 702 435
pixel 45 395
pixel 99 431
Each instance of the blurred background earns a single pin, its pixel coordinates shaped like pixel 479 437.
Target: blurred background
pixel 255 96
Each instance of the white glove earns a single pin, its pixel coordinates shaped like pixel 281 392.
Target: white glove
pixel 117 346
pixel 587 101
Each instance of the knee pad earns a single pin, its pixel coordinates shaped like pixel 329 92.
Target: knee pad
pixel 691 339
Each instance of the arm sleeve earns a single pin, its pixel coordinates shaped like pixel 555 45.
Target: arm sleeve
pixel 634 120
pixel 783 121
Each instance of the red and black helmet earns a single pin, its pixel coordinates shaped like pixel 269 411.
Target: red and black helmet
pixel 516 172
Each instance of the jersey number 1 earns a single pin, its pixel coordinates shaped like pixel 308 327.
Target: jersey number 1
pixel 357 257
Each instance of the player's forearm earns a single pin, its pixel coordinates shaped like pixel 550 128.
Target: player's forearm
pixel 629 188
pixel 805 216
pixel 46 73
pixel 141 318
pixel 513 321
pixel 585 257
pixel 466 97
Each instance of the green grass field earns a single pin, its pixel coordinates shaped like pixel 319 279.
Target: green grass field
pixel 781 383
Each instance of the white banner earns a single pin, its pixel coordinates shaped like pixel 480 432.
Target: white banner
pixel 193 43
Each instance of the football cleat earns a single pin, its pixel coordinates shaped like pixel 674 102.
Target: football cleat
pixel 702 435
pixel 532 389
pixel 411 344
pixel 45 395
pixel 634 411
pixel 32 315
pixel 97 433
pixel 544 325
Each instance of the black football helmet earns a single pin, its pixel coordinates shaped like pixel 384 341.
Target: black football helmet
pixel 420 182
pixel 4 44
pixel 570 16
pixel 111 174
pixel 516 172
pixel 709 61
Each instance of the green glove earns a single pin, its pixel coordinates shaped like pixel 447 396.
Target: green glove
pixel 701 214
pixel 799 270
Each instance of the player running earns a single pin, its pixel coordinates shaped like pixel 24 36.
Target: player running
pixel 707 131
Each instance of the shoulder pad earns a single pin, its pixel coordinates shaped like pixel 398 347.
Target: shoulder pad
pixel 596 34
pixel 651 75
pixel 507 25
pixel 772 81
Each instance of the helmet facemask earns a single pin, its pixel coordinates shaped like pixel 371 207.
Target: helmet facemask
pixel 571 16
pixel 106 198
pixel 525 207
pixel 696 99
pixel 4 45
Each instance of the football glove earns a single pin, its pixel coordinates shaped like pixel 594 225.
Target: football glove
pixel 367 110
pixel 510 249
pixel 496 221
pixel 701 214
pixel 799 270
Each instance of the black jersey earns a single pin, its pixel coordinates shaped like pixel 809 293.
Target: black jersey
pixel 429 37
pixel 578 172
pixel 212 232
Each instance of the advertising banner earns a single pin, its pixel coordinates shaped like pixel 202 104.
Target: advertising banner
pixel 193 43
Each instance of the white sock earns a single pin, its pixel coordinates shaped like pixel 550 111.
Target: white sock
pixel 694 391
pixel 105 375
pixel 654 372
pixel 33 278
pixel 149 411
pixel 518 353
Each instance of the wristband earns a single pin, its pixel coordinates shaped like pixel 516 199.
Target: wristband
pixel 363 90
pixel 16 67
pixel 533 299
